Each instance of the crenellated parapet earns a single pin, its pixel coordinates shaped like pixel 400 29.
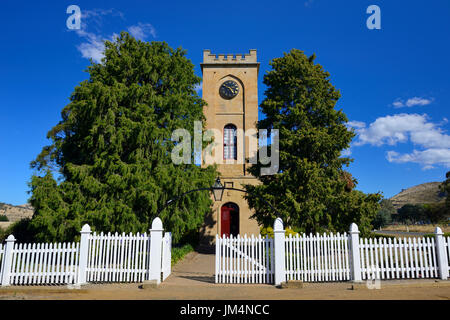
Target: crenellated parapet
pixel 209 57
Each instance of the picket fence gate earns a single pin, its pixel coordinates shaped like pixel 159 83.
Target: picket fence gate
pixel 329 258
pixel 118 258
pixel 244 260
pixel 166 267
pixel 96 258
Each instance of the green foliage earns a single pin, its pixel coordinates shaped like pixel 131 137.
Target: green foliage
pixel 191 237
pixel 20 229
pixel 268 231
pixel 428 213
pixel 179 253
pixel 432 235
pixel 113 146
pixel 387 206
pixel 382 219
pixel 384 214
pixel 445 187
pixel 3 218
pixel 3 234
pixel 436 212
pixel 311 191
pixel 411 213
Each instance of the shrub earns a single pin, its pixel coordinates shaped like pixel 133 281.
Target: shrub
pixel 3 218
pixel 384 214
pixel 268 231
pixel 436 212
pixel 411 213
pixel 21 231
pixel 432 235
pixel 179 253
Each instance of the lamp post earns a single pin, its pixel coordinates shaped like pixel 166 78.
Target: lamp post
pixel 217 189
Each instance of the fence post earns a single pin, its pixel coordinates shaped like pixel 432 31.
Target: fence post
pixel 355 265
pixel 218 256
pixel 7 259
pixel 155 250
pixel 441 254
pixel 84 249
pixel 279 251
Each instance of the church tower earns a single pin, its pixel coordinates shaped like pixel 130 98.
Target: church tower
pixel 230 88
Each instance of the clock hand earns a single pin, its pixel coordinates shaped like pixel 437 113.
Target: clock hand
pixel 233 90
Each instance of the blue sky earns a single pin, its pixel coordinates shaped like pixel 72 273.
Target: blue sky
pixel 394 81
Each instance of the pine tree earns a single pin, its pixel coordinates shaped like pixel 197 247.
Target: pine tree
pixel 445 188
pixel 112 148
pixel 311 191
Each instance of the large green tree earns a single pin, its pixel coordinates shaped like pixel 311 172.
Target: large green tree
pixel 112 148
pixel 445 188
pixel 311 190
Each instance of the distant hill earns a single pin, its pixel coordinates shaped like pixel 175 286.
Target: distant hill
pixel 420 194
pixel 16 213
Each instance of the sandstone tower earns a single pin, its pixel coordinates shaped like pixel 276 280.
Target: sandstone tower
pixel 230 88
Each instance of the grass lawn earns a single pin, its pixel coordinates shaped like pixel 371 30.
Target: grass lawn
pixel 429 228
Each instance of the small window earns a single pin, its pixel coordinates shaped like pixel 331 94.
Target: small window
pixel 230 142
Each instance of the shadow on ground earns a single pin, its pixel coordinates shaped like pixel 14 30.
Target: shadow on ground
pixel 206 279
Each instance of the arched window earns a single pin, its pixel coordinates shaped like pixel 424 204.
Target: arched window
pixel 230 142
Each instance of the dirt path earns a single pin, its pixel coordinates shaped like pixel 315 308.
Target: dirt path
pixel 193 278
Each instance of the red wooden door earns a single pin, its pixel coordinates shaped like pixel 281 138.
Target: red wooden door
pixel 229 217
pixel 225 221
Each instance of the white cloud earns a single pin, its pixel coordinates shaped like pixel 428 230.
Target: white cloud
pixel 416 101
pixel 93 46
pixel 399 128
pixel 402 128
pixel 411 102
pixel 398 104
pixel 356 124
pixel 427 158
pixel 142 30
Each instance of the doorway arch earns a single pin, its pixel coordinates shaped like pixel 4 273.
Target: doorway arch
pixel 229 219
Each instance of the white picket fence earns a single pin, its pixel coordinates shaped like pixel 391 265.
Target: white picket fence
pixel 96 258
pixel 118 258
pixel 44 263
pixel 244 260
pixel 1 259
pixel 328 258
pixel 398 258
pixel 316 258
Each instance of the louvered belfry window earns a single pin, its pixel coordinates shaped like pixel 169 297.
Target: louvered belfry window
pixel 229 142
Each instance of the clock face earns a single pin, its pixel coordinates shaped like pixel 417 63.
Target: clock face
pixel 229 89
